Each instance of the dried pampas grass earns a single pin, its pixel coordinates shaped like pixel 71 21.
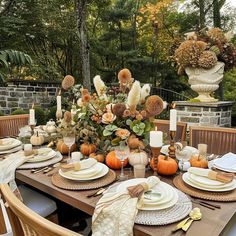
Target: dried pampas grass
pixel 99 86
pixel 134 96
pixel 145 91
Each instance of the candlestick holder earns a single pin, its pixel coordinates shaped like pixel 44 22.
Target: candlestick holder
pixel 32 126
pixel 59 114
pixel 172 146
pixel 155 153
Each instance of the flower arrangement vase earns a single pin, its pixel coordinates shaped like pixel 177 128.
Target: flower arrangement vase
pixel 205 81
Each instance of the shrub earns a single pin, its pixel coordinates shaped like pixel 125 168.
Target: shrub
pixel 1 113
pixel 40 116
pixel 51 113
pixel 19 112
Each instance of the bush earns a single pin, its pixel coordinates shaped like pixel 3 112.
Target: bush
pixel 1 113
pixel 51 114
pixel 40 116
pixel 19 112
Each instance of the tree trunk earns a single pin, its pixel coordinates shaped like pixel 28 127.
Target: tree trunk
pixel 81 10
pixel 202 13
pixel 217 23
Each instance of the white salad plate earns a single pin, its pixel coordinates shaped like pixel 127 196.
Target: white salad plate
pixel 227 187
pixel 43 155
pixel 103 170
pixel 168 195
pixel 9 143
pixel 8 151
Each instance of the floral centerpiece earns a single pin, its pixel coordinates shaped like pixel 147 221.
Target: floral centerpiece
pixel 204 56
pixel 113 115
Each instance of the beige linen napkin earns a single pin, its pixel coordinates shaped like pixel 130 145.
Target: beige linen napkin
pixel 8 167
pixel 115 212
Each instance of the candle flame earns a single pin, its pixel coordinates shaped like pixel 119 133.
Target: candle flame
pixel 172 105
pixel 33 106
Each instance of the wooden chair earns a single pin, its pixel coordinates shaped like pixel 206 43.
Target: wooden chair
pixel 219 140
pixel 163 125
pixel 25 222
pixel 9 125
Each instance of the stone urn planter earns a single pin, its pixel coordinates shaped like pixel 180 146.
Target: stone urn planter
pixel 204 82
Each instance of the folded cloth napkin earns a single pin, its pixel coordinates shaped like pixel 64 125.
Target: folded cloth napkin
pixel 115 212
pixel 8 167
pixel 79 165
pixel 210 174
pixel 228 161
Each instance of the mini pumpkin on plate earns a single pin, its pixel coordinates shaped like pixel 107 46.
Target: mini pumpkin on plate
pixel 198 161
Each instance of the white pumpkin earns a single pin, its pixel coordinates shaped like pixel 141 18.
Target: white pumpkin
pixel 138 158
pixel 37 139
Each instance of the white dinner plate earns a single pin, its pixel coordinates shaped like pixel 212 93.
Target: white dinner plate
pixel 208 184
pixel 104 171
pixel 94 170
pixel 168 198
pixel 191 150
pixel 15 149
pixel 9 143
pixel 224 169
pixel 191 182
pixel 43 155
pixel 205 180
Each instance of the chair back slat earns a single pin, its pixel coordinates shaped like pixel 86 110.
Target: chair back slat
pixel 26 222
pixel 9 125
pixel 163 125
pixel 219 140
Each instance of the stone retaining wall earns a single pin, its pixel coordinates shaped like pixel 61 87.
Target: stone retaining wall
pixel 205 114
pixel 21 94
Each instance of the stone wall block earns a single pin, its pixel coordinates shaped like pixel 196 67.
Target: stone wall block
pixel 194 109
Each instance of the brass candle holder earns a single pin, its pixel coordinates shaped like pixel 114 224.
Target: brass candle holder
pixel 172 146
pixel 155 153
pixel 59 114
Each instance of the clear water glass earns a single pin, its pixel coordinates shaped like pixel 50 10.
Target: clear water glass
pixel 122 153
pixel 69 140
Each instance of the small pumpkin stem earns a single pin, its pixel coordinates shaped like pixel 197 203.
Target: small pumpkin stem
pixel 37 133
pixel 198 158
pixel 166 157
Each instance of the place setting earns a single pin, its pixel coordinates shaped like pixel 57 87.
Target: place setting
pixel 83 174
pixel 38 158
pixel 9 145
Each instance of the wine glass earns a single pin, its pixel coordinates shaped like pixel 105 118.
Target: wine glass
pixel 69 140
pixel 122 152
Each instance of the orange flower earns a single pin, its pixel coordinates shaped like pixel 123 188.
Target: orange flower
pixel 108 118
pixel 122 133
pixel 86 98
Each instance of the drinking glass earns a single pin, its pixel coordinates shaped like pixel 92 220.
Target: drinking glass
pixel 69 140
pixel 122 152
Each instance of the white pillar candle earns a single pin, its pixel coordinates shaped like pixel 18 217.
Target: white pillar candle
pixel 28 147
pixel 32 116
pixel 59 102
pixel 75 156
pixel 156 138
pixel 173 119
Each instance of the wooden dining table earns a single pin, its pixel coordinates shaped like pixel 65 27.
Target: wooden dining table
pixel 213 222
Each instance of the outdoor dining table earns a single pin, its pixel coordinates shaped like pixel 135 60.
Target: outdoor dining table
pixel 213 221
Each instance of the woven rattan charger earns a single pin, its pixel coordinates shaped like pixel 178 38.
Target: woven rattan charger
pixel 67 184
pixel 229 196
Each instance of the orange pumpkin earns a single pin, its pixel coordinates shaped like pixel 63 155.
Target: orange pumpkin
pixel 198 161
pixel 63 148
pixel 87 148
pixel 165 165
pixel 98 157
pixel 113 162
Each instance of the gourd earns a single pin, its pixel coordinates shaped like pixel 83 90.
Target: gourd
pixel 165 166
pixel 63 148
pixel 113 162
pixel 87 148
pixel 198 161
pixel 98 157
pixel 37 139
pixel 138 158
